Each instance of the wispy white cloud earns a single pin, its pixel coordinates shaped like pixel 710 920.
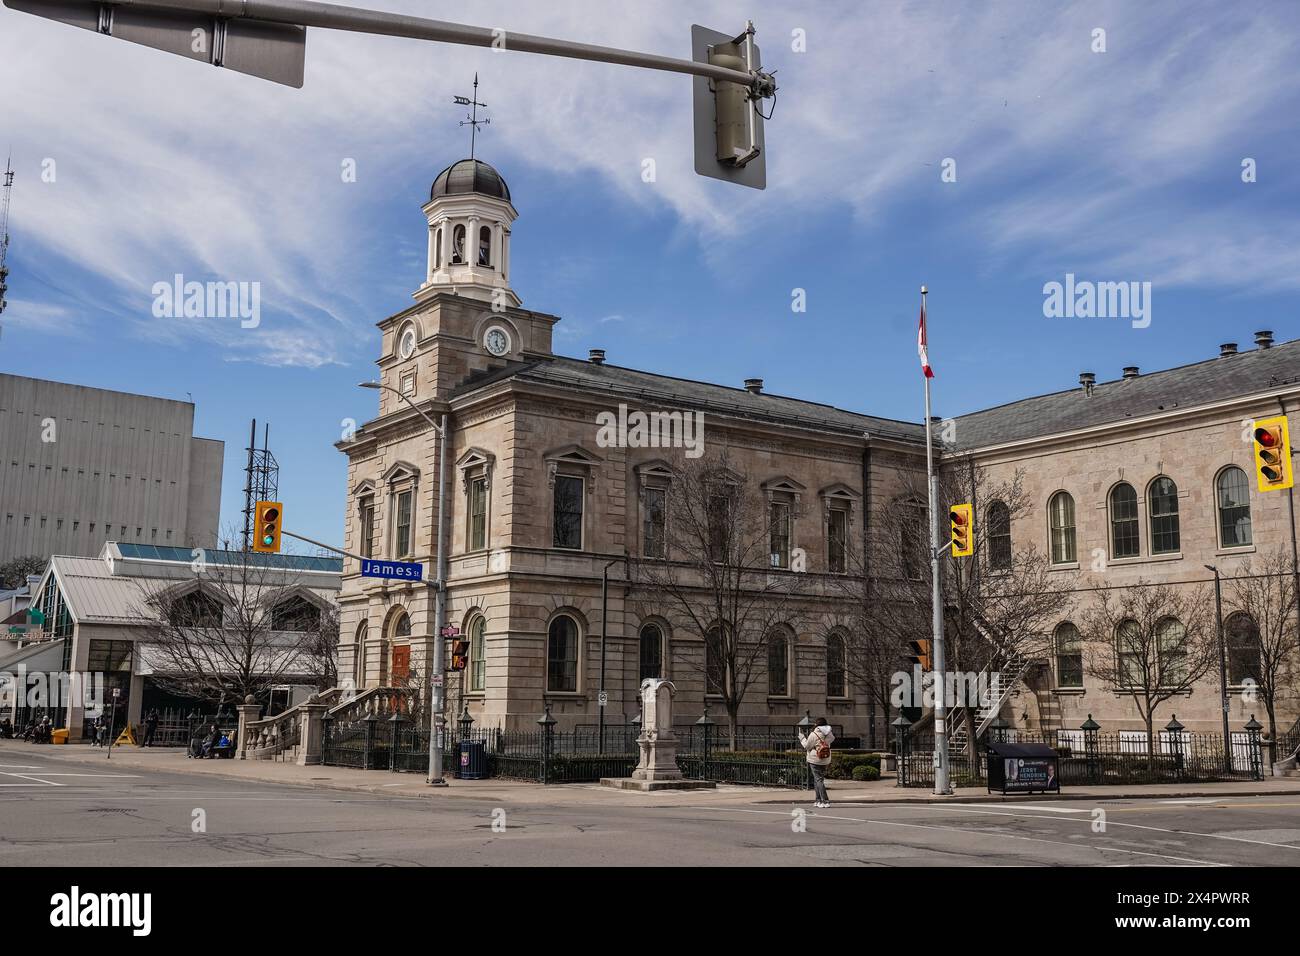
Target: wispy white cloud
pixel 1065 154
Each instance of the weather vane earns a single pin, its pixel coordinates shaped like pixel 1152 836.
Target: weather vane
pixel 472 121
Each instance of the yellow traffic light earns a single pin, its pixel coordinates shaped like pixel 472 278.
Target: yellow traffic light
pixel 963 531
pixel 1273 454
pixel 267 519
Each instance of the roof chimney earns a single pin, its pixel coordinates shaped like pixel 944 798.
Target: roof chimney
pixel 1087 380
pixel 596 356
pixel 1227 348
pixel 1131 371
pixel 1264 339
pixel 754 386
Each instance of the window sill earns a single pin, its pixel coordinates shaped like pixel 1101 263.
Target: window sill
pixel 1145 559
pixel 1070 691
pixel 781 699
pixel 1068 566
pixel 1241 549
pixel 564 694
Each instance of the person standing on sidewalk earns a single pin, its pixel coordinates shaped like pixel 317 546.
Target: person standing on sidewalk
pixel 817 747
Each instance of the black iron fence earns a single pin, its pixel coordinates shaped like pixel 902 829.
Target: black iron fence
pixel 1092 758
pixel 550 756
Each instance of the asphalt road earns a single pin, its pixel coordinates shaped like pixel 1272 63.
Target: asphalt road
pixel 62 813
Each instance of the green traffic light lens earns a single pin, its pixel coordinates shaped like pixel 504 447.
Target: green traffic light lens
pixel 268 539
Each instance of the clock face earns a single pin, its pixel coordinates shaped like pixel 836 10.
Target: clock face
pixel 407 344
pixel 497 342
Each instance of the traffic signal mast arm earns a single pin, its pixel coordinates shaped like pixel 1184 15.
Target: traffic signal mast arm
pixel 331 16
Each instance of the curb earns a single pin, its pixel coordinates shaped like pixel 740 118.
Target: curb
pixel 1064 797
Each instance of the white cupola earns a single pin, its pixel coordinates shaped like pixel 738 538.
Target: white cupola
pixel 470 216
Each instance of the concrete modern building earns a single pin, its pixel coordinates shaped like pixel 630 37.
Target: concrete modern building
pixel 540 507
pixel 81 466
pixel 99 614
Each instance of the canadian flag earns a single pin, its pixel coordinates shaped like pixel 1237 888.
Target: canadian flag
pixel 921 349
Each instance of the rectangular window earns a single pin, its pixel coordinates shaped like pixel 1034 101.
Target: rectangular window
pixel 655 545
pixel 719 533
pixel 837 540
pixel 367 543
pixel 568 512
pixel 780 534
pixel 477 513
pixel 402 524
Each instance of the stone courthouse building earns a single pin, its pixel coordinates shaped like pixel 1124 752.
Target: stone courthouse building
pixel 537 509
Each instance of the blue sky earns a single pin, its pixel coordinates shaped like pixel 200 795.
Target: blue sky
pixel 1123 165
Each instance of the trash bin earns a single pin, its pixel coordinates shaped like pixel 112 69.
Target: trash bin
pixel 59 736
pixel 473 761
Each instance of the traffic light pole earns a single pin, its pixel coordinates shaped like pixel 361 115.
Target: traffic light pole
pixel 941 786
pixel 330 16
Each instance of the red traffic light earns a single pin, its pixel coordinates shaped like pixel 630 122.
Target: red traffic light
pixel 1268 437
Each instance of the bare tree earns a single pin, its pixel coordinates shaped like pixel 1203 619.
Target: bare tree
pixel 245 627
pixel 13 573
pixel 1150 643
pixel 1261 630
pixel 999 603
pixel 716 580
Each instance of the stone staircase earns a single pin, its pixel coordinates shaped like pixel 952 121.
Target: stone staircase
pixel 281 736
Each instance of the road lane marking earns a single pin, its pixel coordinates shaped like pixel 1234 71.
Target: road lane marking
pixel 1096 847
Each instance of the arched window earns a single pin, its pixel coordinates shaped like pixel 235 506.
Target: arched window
pixel 836 678
pixel 778 666
pixel 1162 501
pixel 1233 495
pixel 652 652
pixel 485 246
pixel 1128 653
pixel 1244 648
pixel 359 657
pixel 1171 646
pixel 999 518
pixel 1125 541
pixel 715 670
pixel 401 645
pixel 562 656
pixel 478 654
pixel 1069 655
pixel 458 245
pixel 1060 511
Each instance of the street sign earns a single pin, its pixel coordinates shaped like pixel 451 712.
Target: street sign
pixel 602 698
pixel 451 630
pixel 117 692
pixel 272 51
pixel 435 680
pixel 400 570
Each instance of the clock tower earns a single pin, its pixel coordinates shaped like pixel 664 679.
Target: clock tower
pixel 467 320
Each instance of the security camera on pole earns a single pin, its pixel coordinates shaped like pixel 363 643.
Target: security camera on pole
pixel 941 785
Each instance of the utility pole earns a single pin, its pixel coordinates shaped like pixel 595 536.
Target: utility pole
pixel 1224 700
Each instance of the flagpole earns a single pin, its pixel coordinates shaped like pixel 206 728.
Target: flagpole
pixel 941 786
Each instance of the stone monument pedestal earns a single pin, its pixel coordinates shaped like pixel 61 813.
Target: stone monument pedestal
pixel 657 767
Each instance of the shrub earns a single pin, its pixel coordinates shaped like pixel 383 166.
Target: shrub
pixel 865 771
pixel 843 764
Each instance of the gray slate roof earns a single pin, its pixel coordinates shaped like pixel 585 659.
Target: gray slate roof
pixel 646 388
pixel 1201 383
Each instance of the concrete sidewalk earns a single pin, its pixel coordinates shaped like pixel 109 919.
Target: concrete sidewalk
pixel 403 785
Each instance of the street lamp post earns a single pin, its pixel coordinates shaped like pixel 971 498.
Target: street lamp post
pixel 1223 666
pixel 436 678
pixel 602 700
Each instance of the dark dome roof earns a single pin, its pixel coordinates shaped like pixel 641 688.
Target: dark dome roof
pixel 470 176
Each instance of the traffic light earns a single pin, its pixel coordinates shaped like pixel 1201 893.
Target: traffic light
pixel 1273 454
pixel 920 654
pixel 459 655
pixel 268 517
pixel 963 531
